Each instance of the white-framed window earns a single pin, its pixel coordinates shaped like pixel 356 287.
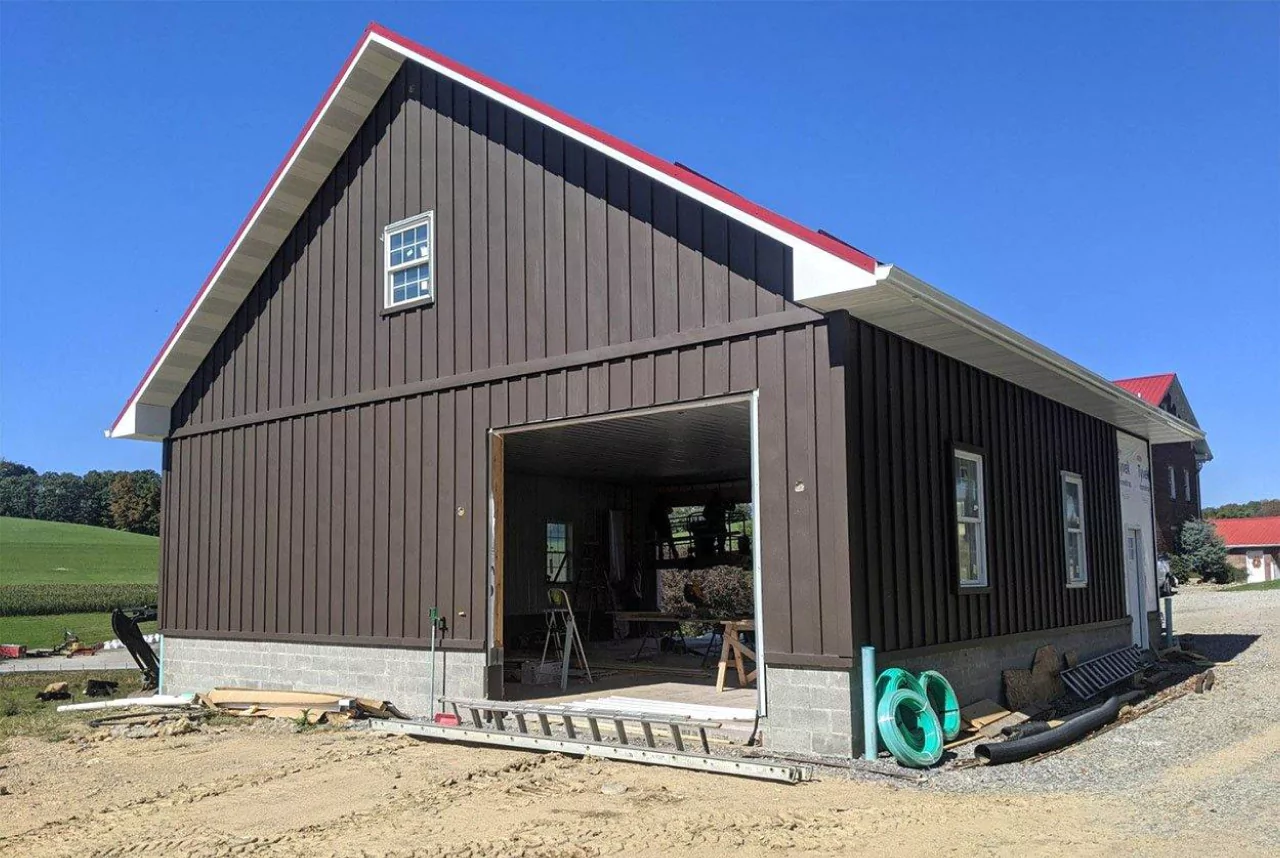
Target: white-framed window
pixel 971 519
pixel 1073 529
pixel 1173 485
pixel 1186 484
pixel 559 552
pixel 408 249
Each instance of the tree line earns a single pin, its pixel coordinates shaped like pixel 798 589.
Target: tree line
pixel 1248 509
pixel 123 500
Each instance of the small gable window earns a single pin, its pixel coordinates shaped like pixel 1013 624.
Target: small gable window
pixel 408 256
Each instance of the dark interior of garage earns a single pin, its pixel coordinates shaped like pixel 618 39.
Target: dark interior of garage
pixel 640 526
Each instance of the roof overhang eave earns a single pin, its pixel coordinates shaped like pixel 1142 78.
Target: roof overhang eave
pixel 907 306
pixel 351 97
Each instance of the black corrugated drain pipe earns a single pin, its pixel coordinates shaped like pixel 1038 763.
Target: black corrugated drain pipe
pixel 1080 725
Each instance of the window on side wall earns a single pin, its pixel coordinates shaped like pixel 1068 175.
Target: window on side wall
pixel 559 552
pixel 1173 485
pixel 408 248
pixel 971 519
pixel 1073 529
pixel 1186 484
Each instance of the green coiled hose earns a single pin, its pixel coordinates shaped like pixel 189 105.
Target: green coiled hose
pixel 909 728
pixel 942 698
pixel 893 678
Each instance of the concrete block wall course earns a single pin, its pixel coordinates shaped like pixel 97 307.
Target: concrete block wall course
pixel 976 672
pixel 402 676
pixel 819 710
pixel 811 711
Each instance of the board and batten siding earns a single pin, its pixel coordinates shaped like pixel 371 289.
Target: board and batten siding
pixel 907 406
pixel 347 522
pixel 543 248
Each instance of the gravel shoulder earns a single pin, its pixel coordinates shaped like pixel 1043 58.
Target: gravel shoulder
pixel 1199 774
pixel 1205 763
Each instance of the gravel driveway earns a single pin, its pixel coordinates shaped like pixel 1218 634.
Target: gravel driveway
pixel 1204 765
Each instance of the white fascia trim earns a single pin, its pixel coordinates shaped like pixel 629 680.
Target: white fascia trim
pixel 141 422
pixel 815 270
pixel 962 314
pixel 229 256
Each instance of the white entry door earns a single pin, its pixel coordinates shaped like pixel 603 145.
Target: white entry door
pixel 1134 578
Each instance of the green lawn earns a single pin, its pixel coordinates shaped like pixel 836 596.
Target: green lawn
pixel 50 552
pixel 1261 585
pixel 46 631
pixel 22 715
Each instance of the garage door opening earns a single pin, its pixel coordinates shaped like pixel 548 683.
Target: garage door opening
pixel 644 525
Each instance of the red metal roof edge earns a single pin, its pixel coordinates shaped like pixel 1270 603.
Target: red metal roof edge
pixel 680 174
pixel 1150 388
pixel 1259 530
pixel 836 248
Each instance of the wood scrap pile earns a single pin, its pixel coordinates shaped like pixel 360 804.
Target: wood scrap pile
pixel 986 719
pixel 313 707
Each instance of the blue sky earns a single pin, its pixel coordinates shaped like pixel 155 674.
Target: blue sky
pixel 1104 178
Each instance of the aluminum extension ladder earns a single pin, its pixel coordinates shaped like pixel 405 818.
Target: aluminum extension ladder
pixel 517 717
pixel 545 728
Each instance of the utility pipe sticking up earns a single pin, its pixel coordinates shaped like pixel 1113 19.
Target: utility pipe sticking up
pixel 870 746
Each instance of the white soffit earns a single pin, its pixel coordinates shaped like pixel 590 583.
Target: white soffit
pixel 911 308
pixel 353 95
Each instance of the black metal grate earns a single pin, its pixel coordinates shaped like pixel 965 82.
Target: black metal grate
pixel 1088 678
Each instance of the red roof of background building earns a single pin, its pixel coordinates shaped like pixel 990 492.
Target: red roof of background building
pixel 1248 531
pixel 1149 388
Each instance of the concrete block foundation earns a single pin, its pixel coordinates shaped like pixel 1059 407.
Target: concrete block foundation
pixel 814 711
pixel 975 669
pixel 402 676
pixel 819 710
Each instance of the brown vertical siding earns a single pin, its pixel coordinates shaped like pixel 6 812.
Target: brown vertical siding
pixel 328 470
pixel 400 489
pixel 542 248
pixel 907 407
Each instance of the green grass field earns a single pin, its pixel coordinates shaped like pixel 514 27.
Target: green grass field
pixel 22 715
pixel 75 558
pixel 46 631
pixel 1261 585
pixel 51 552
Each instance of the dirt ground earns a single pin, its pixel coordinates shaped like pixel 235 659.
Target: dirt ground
pixel 268 789
pixel 263 791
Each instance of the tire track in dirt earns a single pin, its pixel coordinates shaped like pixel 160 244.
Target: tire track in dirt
pixel 108 819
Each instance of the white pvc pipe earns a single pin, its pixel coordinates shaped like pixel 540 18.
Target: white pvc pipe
pixel 154 700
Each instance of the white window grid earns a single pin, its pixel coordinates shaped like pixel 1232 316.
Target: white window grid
pixel 977 522
pixel 1077 573
pixel 559 552
pixel 408 248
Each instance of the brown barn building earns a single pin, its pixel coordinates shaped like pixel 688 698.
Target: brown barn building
pixel 464 345
pixel 1175 466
